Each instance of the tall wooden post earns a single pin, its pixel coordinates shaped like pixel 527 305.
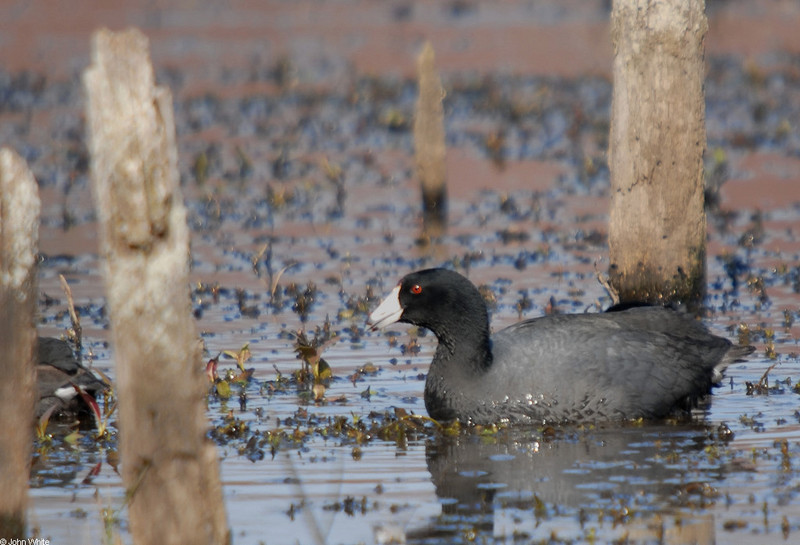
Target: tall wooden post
pixel 169 467
pixel 657 227
pixel 19 242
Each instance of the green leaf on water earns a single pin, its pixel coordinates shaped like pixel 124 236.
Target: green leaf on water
pixel 322 371
pixel 223 389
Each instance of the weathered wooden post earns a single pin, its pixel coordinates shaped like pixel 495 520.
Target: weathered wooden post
pixel 169 467
pixel 657 225
pixel 19 241
pixel 429 145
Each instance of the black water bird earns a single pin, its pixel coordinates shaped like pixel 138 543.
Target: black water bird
pixel 59 376
pixel 639 362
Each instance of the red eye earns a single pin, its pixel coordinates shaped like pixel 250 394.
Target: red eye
pixel 416 289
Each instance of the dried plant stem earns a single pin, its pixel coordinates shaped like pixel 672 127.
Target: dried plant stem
pixel 76 333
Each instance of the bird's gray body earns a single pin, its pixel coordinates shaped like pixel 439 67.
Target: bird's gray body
pixel 638 363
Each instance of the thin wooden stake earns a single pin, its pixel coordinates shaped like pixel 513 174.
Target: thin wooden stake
pixel 429 145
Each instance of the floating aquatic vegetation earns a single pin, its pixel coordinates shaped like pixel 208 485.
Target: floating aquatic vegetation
pixel 315 373
pixel 304 298
pixel 248 311
pixel 762 387
pixel 368 369
pixel 221 385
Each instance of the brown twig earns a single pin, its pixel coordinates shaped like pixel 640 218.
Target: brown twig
pixel 604 281
pixel 76 333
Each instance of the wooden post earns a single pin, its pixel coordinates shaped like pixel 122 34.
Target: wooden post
pixel 657 224
pixel 169 467
pixel 19 241
pixel 429 145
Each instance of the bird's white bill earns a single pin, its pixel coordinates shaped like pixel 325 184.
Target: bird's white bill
pixel 388 312
pixel 65 393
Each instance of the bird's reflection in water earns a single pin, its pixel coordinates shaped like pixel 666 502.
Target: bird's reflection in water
pixel 521 484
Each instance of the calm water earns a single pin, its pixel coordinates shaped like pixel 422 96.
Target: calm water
pixel 274 123
pixel 515 485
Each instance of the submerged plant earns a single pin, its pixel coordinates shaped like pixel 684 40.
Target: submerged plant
pixel 315 371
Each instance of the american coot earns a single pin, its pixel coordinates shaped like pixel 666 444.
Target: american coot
pixel 640 362
pixel 57 375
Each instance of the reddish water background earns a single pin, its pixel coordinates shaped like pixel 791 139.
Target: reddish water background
pixel 567 38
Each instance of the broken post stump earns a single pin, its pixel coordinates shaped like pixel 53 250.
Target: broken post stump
pixel 19 242
pixel 429 145
pixel 169 467
pixel 657 223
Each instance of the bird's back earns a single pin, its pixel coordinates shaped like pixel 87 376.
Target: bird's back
pixel 640 362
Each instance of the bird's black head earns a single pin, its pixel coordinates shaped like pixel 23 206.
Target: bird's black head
pixel 437 299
